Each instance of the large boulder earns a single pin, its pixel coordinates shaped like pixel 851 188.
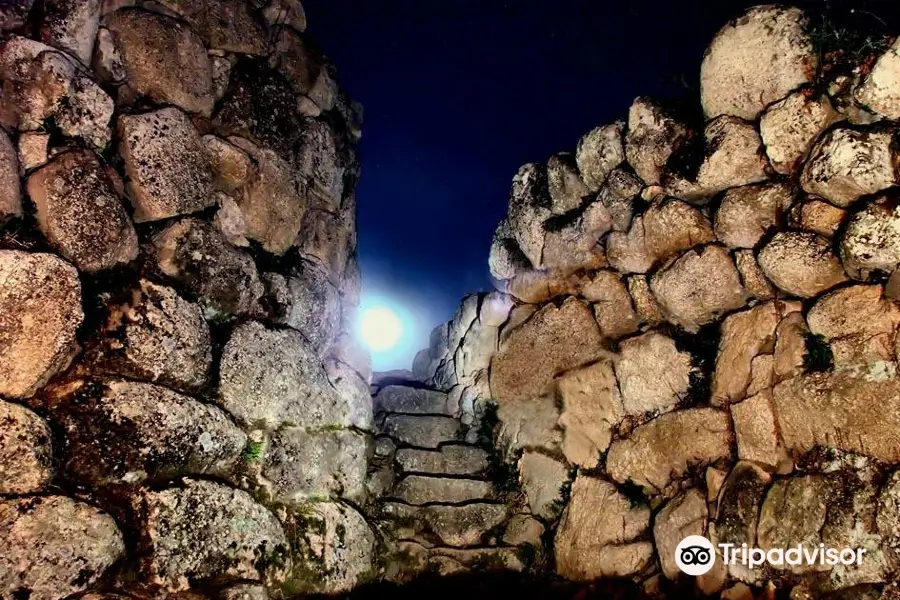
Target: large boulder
pixel 618 196
pixel 271 377
pixel 682 516
pixel 698 287
pixel 552 341
pixel 53 547
pixel 26 452
pixel 319 163
pixel 591 410
pixel 794 512
pixel 457 526
pixel 880 90
pixel 123 432
pixel 194 253
pixel 599 152
pixel 627 251
pixel 789 128
pixel 208 531
pixel 529 423
pixel 564 183
pixel 164 59
pixel 612 304
pixel 800 263
pixel 671 226
pixel 225 25
pixel 847 164
pixel 328 239
pixel 158 336
pixel 849 411
pixel 542 479
pixel 756 432
pixel 653 374
pixel 653 138
pixel 71 26
pixel 529 207
pixel 80 213
pixel 307 70
pixel 40 312
pixel 301 464
pixel 756 60
pixel 871 241
pixel 820 217
pixel 596 537
pixel 663 450
pixel 306 301
pixel 747 213
pixel 166 163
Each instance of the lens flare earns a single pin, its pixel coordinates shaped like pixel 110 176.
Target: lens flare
pixel 380 328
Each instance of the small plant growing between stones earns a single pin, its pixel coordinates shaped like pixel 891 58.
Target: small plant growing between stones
pixel 253 453
pixel 819 356
pixel 845 41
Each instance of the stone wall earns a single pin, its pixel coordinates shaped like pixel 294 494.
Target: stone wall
pixel 698 329
pixel 183 407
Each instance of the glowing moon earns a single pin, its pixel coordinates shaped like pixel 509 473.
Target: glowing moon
pixel 380 328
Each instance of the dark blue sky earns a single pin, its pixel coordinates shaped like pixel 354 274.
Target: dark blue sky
pixel 459 93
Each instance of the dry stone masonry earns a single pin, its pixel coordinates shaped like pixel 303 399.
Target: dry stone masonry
pixel 182 406
pixel 697 328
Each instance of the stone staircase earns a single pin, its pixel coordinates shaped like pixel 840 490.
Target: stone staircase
pixel 437 505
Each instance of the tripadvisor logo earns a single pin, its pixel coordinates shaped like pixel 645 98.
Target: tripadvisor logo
pixel 695 555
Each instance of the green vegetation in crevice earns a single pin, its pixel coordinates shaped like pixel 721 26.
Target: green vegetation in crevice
pixel 253 452
pixel 818 357
pixel 845 39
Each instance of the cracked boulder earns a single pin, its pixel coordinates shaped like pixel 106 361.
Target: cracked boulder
pixel 698 287
pixel 790 128
pixel 164 59
pixel 653 138
pixel 755 60
pixel 225 25
pixel 306 301
pixel 653 374
pixel 319 163
pixel 157 336
pixel 682 516
pixel 166 164
pixel 53 547
pixel 871 241
pixel 801 264
pixel 208 531
pixel 612 304
pixel 529 207
pixel 194 253
pixel 564 183
pixel 71 25
pixel 40 312
pixel 848 164
pixel 124 432
pixel 542 479
pixel 269 377
pixel 599 152
pixel 659 452
pixel 598 532
pixel 80 213
pixel 748 213
pixel 26 453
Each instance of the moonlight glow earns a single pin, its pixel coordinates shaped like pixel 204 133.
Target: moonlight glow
pixel 380 328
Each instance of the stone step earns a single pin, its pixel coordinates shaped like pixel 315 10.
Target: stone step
pixel 409 400
pixel 421 431
pixel 447 561
pixel 449 460
pixel 457 526
pixel 423 489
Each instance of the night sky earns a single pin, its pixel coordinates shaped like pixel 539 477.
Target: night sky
pixel 459 93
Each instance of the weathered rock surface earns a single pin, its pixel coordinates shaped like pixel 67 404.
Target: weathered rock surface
pixel 166 164
pixel 208 531
pixel 449 460
pixel 756 431
pixel 123 432
pixel 599 152
pixel 618 196
pixel 748 213
pixel 801 264
pixel 529 202
pixel 591 409
pixel 734 156
pixel 329 240
pixel 564 183
pixel 335 549
pixel 653 375
pixel 856 413
pixel 752 276
pixel 627 252
pixel 552 341
pixel 738 506
pixel 228 25
pixel 26 452
pixel 880 91
pixel 52 547
pixel 612 304
pixel 80 213
pixel 421 489
pixel 789 128
pixel 10 192
pixel 858 322
pixel 530 423
pixel 595 534
pixel 71 26
pixel 318 160
pixel 682 516
pixel 164 59
pixel 270 377
pixel 848 164
pixel 653 138
pixel 820 217
pixel 698 287
pixel 457 526
pixel 193 253
pixel 794 512
pixel 40 311
pixel 231 166
pixel 667 446
pixel 542 479
pixel 422 431
pixel 756 60
pixel 308 302
pixel 671 226
pixel 790 346
pixel 307 70
pixel 302 464
pixel 871 241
